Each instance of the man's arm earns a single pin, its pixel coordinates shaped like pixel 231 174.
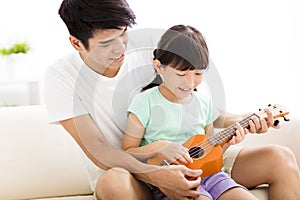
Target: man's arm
pixel 89 138
pixel 171 179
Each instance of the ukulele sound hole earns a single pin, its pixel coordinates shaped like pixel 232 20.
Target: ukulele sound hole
pixel 196 152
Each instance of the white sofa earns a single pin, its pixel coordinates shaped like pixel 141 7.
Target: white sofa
pixel 41 161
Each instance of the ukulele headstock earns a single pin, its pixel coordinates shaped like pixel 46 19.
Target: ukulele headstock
pixel 277 111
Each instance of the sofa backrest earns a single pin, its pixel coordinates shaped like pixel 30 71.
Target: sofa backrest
pixel 38 160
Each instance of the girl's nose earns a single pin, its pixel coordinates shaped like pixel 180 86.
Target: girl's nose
pixel 190 80
pixel 193 80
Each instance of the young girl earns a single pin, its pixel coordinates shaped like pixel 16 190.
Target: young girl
pixel 162 118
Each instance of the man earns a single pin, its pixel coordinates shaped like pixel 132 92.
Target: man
pixel 88 92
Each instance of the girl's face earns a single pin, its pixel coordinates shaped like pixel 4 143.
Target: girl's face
pixel 180 83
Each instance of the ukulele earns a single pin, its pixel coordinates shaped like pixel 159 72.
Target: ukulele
pixel 206 152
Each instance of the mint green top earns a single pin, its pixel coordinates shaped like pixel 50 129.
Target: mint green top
pixel 164 120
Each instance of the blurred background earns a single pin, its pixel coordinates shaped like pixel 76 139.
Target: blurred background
pixel 255 46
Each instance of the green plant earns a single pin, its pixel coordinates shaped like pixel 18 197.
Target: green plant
pixel 7 105
pixel 21 47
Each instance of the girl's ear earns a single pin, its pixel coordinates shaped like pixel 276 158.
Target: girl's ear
pixel 76 43
pixel 157 65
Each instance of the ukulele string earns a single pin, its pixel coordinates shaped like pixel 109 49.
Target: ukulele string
pixel 230 132
pixel 218 138
pixel 207 144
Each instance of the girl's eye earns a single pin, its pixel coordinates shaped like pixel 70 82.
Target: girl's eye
pixel 198 73
pixel 180 74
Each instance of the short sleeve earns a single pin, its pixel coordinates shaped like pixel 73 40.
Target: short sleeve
pixel 62 103
pixel 213 112
pixel 141 108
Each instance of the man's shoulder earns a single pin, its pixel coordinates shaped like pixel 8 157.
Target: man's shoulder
pixel 67 60
pixel 68 64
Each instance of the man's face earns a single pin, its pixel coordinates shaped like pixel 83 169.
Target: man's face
pixel 106 51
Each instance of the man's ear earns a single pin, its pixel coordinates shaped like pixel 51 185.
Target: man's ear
pixel 157 65
pixel 76 43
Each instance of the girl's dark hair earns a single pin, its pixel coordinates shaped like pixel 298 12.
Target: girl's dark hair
pixel 84 17
pixel 182 47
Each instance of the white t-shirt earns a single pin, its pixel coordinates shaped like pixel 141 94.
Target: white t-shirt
pixel 73 89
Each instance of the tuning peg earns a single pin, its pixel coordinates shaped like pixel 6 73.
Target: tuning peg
pixel 276 122
pixel 286 119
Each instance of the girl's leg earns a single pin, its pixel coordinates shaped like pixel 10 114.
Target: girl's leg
pixel 237 193
pixel 202 197
pixel 118 183
pixel 272 164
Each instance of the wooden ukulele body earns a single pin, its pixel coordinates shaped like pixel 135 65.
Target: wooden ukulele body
pixel 206 156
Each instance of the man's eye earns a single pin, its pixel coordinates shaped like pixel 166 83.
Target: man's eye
pixel 104 45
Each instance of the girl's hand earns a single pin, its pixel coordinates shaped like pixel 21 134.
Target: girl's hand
pixel 261 125
pixel 239 136
pixel 174 153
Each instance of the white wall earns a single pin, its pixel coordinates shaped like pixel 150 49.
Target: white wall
pixel 255 44
pixel 38 23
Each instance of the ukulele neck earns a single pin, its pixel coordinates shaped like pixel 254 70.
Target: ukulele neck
pixel 227 133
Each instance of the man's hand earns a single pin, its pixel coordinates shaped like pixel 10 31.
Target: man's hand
pixel 172 181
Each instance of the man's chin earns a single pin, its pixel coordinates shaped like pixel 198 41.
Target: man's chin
pixel 115 65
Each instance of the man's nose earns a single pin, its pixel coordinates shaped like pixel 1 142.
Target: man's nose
pixel 119 45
